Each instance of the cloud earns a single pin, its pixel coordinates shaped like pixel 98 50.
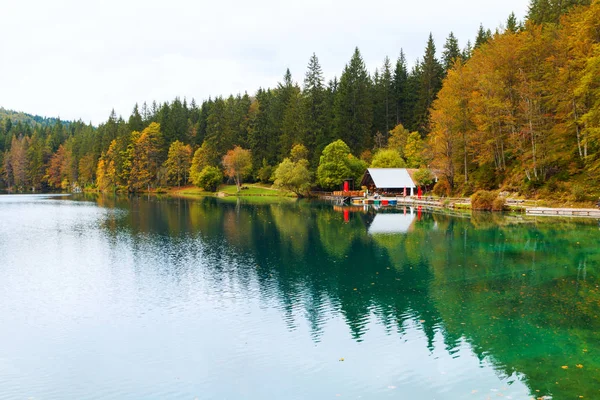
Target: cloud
pixel 80 59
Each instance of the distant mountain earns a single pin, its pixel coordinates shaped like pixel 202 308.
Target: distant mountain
pixel 28 119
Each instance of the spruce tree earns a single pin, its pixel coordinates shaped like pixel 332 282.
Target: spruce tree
pixel 387 95
pixel 550 11
pixel 314 105
pixel 512 25
pixel 135 122
pixel 482 36
pixel 467 51
pixel 451 52
pixel 429 85
pixel 400 91
pixel 353 105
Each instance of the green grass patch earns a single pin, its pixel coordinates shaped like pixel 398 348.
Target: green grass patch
pixel 462 206
pixel 258 199
pixel 190 191
pixel 254 190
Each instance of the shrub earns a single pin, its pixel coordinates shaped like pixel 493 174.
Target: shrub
pixel 578 193
pixel 442 188
pixel 265 173
pixel 498 204
pixel 209 179
pixel 483 200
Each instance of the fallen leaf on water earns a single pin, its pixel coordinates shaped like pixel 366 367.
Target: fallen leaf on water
pixel 579 365
pixel 342 359
pixel 565 367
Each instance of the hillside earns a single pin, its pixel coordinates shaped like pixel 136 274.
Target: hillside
pixel 28 119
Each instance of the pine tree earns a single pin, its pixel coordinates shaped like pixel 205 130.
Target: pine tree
pixel 314 104
pixel 400 91
pixel 383 99
pixel 482 36
pixel 353 105
pixel 512 25
pixel 451 52
pixel 467 51
pixel 550 11
pixel 135 122
pixel 429 85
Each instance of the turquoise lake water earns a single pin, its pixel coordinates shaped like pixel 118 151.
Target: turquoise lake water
pixel 162 298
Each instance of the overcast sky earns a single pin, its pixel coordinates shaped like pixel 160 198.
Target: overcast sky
pixel 79 59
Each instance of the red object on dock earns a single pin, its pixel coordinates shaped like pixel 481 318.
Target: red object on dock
pixel 385 202
pixel 420 192
pixel 346 186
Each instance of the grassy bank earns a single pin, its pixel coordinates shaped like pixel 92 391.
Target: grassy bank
pixel 250 190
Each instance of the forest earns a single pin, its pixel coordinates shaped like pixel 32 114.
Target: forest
pixel 517 110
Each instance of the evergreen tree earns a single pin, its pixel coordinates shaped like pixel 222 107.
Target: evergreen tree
pixel 512 25
pixel 550 11
pixel 401 91
pixel 451 52
pixel 429 85
pixel 314 104
pixel 353 105
pixel 135 122
pixel 383 99
pixel 467 51
pixel 482 36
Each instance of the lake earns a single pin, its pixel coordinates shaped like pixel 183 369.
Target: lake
pixel 107 297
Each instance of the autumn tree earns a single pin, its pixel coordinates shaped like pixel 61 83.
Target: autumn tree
pixel 238 165
pixel 146 158
pixel 178 162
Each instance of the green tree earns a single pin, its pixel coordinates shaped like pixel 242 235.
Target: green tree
pixel 550 11
pixel 265 173
pixel 430 83
pixel 483 36
pixel 400 91
pixel 337 164
pixel 451 52
pixel 135 122
pixel 353 105
pixel 299 152
pixel 314 104
pixel 512 25
pixel 293 176
pixel 387 158
pixel 209 178
pixel 423 177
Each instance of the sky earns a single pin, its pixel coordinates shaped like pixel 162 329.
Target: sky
pixel 80 59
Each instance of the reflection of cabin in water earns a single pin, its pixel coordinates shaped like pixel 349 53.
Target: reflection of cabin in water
pixel 387 223
pixel 390 180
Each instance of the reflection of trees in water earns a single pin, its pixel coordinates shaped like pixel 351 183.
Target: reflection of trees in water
pixel 524 295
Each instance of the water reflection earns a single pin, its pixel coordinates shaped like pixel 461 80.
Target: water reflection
pixel 519 295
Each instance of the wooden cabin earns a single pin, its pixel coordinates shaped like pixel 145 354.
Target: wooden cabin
pixel 390 181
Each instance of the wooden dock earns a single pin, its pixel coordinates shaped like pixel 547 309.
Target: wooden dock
pixel 571 212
